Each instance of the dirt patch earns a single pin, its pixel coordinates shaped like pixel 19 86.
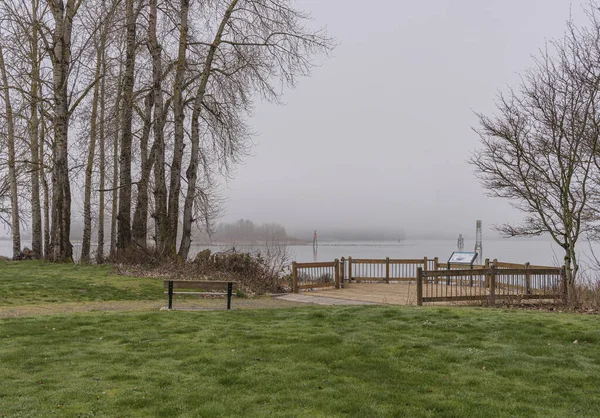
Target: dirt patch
pixel 266 302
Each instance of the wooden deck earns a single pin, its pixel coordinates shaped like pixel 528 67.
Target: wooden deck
pixel 399 293
pixel 392 294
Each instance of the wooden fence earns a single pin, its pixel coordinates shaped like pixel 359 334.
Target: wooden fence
pixel 315 275
pixel 435 281
pixel 383 270
pixel 490 284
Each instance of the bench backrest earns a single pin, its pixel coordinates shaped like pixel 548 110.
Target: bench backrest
pixel 201 285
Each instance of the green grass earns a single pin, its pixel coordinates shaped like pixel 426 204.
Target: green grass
pixel 37 282
pixel 315 361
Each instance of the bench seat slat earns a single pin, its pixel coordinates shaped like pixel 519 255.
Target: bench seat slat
pixel 200 293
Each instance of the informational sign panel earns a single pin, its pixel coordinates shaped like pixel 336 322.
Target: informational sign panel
pixel 459 257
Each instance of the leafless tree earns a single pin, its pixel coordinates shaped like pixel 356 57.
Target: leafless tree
pixel 12 170
pixel 114 99
pixel 538 150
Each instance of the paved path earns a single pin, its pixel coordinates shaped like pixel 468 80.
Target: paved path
pixel 322 300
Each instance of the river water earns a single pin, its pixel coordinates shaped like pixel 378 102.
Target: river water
pixel 538 252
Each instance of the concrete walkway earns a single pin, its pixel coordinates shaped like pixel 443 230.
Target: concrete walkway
pixel 322 300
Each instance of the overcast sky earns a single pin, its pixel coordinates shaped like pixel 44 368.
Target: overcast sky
pixel 379 135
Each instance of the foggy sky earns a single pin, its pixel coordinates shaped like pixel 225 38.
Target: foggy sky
pixel 379 135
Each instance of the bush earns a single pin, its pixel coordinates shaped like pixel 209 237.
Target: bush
pixel 587 293
pixel 255 272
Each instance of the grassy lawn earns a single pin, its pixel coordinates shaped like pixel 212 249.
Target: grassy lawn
pixel 315 361
pixel 36 282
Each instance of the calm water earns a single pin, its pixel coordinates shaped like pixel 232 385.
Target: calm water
pixel 518 251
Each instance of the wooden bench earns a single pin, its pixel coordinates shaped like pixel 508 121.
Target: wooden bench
pixel 200 287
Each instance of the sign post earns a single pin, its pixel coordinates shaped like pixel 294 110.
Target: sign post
pixel 464 258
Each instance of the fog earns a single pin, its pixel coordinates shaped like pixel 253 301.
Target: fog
pixel 374 143
pixel 378 137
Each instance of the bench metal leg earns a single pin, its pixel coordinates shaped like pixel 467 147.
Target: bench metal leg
pixel 229 293
pixel 170 294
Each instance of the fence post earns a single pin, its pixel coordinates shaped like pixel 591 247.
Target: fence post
pixel 436 266
pixel 493 284
pixel 419 286
pixel 487 273
pixel 342 271
pixel 425 262
pixel 229 294
pixel 336 269
pixel 387 270
pixel 527 278
pixel 349 269
pixel 170 294
pixel 294 278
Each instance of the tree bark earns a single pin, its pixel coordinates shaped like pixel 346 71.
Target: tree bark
pixel 115 195
pixel 102 158
pixel 160 185
pixel 12 173
pixel 124 216
pixel 61 187
pixel 42 173
pixel 87 193
pixel 34 133
pixel 154 100
pixel 179 116
pixel 192 170
pixel 139 229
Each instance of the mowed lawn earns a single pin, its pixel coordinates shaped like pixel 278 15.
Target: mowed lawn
pixel 366 361
pixel 39 282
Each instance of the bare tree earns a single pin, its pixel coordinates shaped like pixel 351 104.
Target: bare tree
pixel 124 216
pixel 64 15
pixel 12 171
pixel 538 150
pixel 181 102
pixel 34 132
pixel 98 82
pixel 102 161
pixel 255 43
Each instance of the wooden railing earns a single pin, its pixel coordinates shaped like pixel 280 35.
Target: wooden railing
pixel 490 284
pixel 515 279
pixel 383 270
pixel 315 275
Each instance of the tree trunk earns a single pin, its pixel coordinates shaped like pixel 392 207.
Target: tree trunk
pixel 42 173
pixel 571 268
pixel 101 146
pixel 139 229
pixel 115 195
pixel 192 171
pixel 87 193
pixel 124 216
pixel 179 116
pixel 12 173
pixel 191 175
pixel 160 185
pixel 34 132
pixel 61 187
